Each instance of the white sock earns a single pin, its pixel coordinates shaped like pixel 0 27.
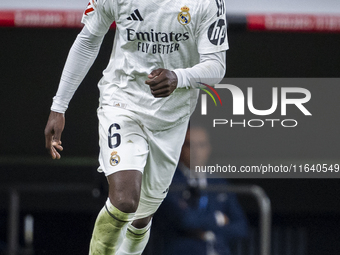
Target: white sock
pixel 109 230
pixel 135 240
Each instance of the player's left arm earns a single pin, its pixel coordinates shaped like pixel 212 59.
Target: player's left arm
pixel 211 70
pixel 212 67
pixel 212 43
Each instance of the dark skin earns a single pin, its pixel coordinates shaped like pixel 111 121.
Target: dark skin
pixel 162 82
pixel 124 186
pixel 54 127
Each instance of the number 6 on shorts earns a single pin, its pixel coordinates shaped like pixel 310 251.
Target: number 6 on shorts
pixel 111 136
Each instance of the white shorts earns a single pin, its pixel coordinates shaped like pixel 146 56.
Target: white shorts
pixel 125 144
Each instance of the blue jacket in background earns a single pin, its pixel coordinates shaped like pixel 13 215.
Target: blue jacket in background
pixel 185 215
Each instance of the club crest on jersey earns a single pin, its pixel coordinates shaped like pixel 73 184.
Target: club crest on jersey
pixel 184 16
pixel 114 159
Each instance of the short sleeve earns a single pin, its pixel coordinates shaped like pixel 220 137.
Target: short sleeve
pixel 98 16
pixel 212 33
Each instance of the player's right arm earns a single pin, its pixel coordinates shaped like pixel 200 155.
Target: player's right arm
pixel 81 57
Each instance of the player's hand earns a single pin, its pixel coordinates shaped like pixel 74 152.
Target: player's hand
pixel 54 128
pixel 162 82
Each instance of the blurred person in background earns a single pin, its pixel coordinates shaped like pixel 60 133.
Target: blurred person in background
pixel 197 221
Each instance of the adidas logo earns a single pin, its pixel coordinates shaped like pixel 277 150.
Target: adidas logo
pixel 135 16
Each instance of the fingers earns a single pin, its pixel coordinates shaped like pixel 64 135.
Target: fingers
pixel 54 153
pixel 156 80
pixel 52 145
pixel 161 90
pixel 53 130
pixel 163 84
pixel 56 146
pixel 53 149
pixel 156 76
pixel 57 135
pixel 155 73
pixel 158 83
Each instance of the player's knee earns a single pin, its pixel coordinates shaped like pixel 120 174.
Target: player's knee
pixel 124 190
pixel 125 203
pixel 128 205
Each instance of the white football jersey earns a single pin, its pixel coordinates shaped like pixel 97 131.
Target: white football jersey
pixel 152 34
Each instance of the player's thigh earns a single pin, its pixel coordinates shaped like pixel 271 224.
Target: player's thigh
pixel 123 143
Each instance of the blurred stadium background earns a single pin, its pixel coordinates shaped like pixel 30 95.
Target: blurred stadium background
pixel 267 39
